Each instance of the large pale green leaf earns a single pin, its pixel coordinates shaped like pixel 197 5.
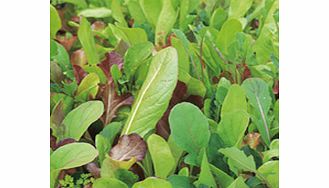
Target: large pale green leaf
pixel 258 94
pixel 55 22
pixel 234 117
pixel 151 10
pixel 152 182
pixel 270 171
pixel 70 156
pixel 105 138
pixel 205 176
pixel 135 56
pixel 88 87
pixel 227 34
pixel 108 182
pixel 87 41
pixel 155 93
pixel 166 21
pixel 189 127
pixel 100 12
pixel 239 8
pixel 79 119
pixel 238 183
pixel 238 159
pixel 223 179
pixel 163 160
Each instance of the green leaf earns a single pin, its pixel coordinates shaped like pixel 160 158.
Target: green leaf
pixel 180 182
pixel 136 11
pixel 189 127
pixel 175 150
pixel 234 117
pixel 227 34
pixel 258 94
pixel 239 160
pixel 55 22
pixel 218 18
pixel 108 182
pixel 87 40
pixel 235 100
pixel 61 57
pixel 270 171
pixel 88 87
pixel 100 12
pixel 166 21
pixel 184 10
pixel 105 138
pixel 81 4
pixel 135 56
pixel 70 156
pixel 151 10
pixel 152 182
pixel 183 60
pixel 117 13
pixel 129 35
pixel 162 157
pixel 272 152
pixel 110 166
pixel 196 87
pixel 238 183
pixel 205 176
pixel 223 179
pixel 79 119
pixel 155 93
pixel 239 8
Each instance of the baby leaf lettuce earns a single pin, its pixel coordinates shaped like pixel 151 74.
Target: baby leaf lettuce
pixel 155 93
pixel 162 157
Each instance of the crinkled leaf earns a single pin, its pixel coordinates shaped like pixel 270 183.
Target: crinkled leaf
pixel 129 146
pixel 136 56
pixel 79 119
pixel 155 93
pixel 162 158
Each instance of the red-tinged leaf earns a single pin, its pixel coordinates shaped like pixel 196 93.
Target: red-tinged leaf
pixel 112 101
pixel 78 57
pixel 79 73
pixel 94 170
pixel 246 72
pixel 129 146
pixel 276 88
pixel 111 59
pixel 67 42
pixel 178 96
pixel 252 139
pixel 98 25
pixel 196 100
pixel 64 142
